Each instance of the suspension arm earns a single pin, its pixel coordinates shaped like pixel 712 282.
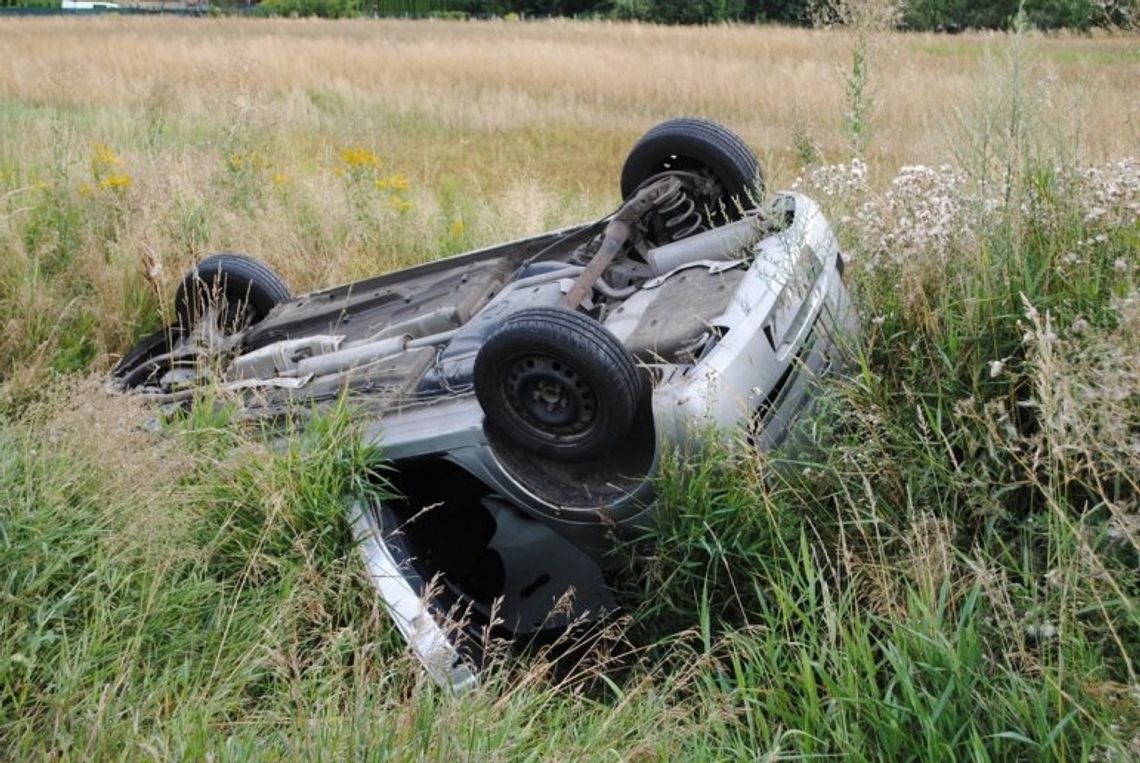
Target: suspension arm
pixel 617 234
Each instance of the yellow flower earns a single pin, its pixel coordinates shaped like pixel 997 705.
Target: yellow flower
pixel 252 161
pixel 115 181
pixel 395 182
pixel 358 156
pixel 457 227
pixel 104 163
pixel 399 204
pixel 103 156
pixel 280 178
pixel 398 182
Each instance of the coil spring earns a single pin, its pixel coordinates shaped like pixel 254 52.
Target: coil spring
pixel 682 218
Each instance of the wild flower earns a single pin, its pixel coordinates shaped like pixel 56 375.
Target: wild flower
pixel 923 213
pixel 360 167
pixel 248 173
pixel 399 203
pixel 103 159
pixel 835 181
pixel 457 227
pixel 359 157
pixel 1044 631
pixel 116 181
pixel 396 182
pixel 1110 194
pixel 248 161
pixel 930 212
pixel 106 171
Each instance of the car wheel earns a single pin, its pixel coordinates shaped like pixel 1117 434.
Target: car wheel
pixel 240 289
pixel 699 146
pixel 557 383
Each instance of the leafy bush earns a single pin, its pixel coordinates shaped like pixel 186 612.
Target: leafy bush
pixel 333 9
pixel 694 11
pixel 999 14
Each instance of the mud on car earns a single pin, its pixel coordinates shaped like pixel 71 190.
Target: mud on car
pixel 524 394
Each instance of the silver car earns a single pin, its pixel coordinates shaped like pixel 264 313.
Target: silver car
pixel 525 394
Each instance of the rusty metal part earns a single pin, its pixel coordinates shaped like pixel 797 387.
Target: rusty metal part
pixel 617 233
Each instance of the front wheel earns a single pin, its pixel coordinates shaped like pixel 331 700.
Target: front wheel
pixel 557 383
pixel 702 148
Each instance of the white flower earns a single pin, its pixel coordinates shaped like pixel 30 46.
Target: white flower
pixel 1042 632
pixel 996 367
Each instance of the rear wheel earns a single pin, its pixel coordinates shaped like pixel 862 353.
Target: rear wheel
pixel 557 383
pixel 237 290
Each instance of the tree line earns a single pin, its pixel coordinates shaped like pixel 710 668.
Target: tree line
pixel 922 15
pixel 919 15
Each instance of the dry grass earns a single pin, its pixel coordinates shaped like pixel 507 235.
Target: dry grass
pixel 453 97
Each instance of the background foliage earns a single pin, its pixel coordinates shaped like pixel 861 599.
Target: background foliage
pixel 918 15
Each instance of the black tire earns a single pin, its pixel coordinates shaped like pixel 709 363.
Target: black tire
pixel 691 144
pixel 243 288
pixel 557 383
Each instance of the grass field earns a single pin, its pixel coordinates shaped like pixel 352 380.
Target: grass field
pixel 951 572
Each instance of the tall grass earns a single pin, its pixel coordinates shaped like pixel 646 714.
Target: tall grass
pixel 944 566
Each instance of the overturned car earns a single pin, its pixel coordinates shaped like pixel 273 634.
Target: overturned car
pixel 524 394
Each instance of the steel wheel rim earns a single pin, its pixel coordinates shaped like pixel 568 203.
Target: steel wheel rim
pixel 549 398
